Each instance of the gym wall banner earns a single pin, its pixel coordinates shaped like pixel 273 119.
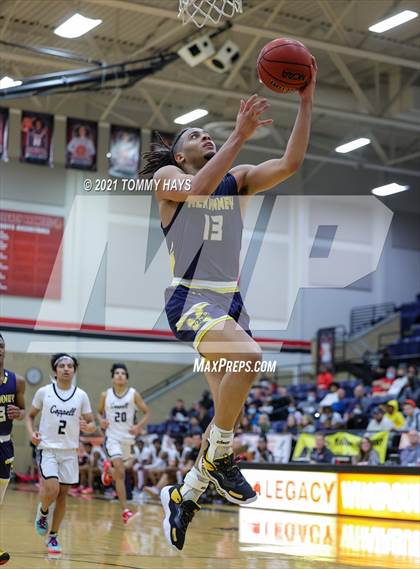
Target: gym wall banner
pixel 36 137
pixel 280 445
pixel 81 144
pixel 124 152
pixel 4 125
pixel 389 496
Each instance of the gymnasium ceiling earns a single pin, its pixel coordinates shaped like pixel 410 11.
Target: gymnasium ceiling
pixel 368 84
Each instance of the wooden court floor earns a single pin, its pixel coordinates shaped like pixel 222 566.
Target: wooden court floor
pixel 93 537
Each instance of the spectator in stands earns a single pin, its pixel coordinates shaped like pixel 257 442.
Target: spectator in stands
pixel 359 398
pixel 195 428
pixel 381 386
pixel 412 389
pixel 291 425
pixel 264 424
pixel 379 421
pixel 206 400
pixel 410 456
pixel 412 415
pixel 342 403
pixel 332 395
pixel 330 419
pixel 307 424
pixel 245 425
pixel 280 401
pixel 357 418
pixel 178 412
pixel 85 485
pixel 309 406
pixel 367 454
pixel 263 453
pixel 399 382
pixel 324 378
pixel 204 416
pixel 321 454
pixel 394 414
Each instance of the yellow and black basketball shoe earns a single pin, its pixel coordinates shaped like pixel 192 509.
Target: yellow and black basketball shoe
pixel 228 479
pixel 4 557
pixel 178 515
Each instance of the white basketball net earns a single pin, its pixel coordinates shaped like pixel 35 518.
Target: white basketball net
pixel 203 11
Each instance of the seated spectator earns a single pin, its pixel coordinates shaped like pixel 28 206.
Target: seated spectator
pixel 309 406
pixel 410 456
pixel 412 415
pixel 264 424
pixel 381 386
pixel 342 403
pixel 412 388
pixel 332 395
pixel 399 382
pixel 195 428
pixel 379 421
pixel 178 412
pixel 280 401
pixel 262 452
pixel 357 418
pixel 359 398
pixel 367 454
pixel 292 410
pixel 321 454
pixel 291 425
pixel 245 425
pixel 253 414
pixel 324 378
pixel 206 400
pixel 307 424
pixel 330 419
pixel 394 414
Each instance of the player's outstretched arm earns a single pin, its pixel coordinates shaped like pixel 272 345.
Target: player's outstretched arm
pixel 209 177
pixel 254 179
pixel 17 412
pixel 87 423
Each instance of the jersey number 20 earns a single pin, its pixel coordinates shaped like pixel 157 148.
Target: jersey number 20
pixel 120 417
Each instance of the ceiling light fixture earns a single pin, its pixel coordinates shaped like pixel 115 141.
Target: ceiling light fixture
pixel 76 26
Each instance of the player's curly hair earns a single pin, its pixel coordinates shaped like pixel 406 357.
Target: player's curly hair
pixel 161 154
pixel 118 365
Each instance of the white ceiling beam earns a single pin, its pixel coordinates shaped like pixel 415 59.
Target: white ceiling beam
pixel 332 17
pixel 111 104
pixel 268 34
pixel 405 158
pixel 340 17
pixel 378 148
pixel 155 108
pixel 352 83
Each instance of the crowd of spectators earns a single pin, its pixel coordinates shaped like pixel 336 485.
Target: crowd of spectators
pixel 390 404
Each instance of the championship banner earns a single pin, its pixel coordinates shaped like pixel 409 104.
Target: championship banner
pixel 342 444
pixel 4 125
pixel 36 136
pixel 82 143
pixel 325 348
pixel 124 152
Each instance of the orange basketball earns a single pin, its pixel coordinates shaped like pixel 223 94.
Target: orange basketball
pixel 284 65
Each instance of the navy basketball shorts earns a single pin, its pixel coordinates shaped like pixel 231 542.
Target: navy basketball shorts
pixel 7 457
pixel 192 312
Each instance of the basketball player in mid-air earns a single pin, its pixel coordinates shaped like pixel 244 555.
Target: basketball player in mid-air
pixel 65 412
pixel 12 408
pixel 198 192
pixel 116 412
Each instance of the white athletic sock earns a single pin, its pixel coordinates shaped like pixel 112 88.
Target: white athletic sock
pixel 220 442
pixel 194 485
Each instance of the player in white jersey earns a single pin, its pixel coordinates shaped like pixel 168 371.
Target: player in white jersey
pixel 116 412
pixel 65 411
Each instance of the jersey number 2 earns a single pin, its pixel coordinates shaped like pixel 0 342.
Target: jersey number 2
pixel 61 426
pixel 3 414
pixel 213 227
